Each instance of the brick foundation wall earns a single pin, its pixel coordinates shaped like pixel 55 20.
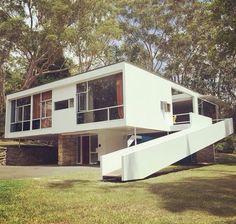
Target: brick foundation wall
pixel 31 155
pixel 67 150
pixel 206 155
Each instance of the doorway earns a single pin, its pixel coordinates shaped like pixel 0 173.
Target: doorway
pixel 87 150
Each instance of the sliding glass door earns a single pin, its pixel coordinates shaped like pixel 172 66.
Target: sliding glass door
pixel 87 149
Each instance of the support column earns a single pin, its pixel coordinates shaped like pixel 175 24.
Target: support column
pixel 195 105
pixel 135 136
pixel 206 155
pixel 67 150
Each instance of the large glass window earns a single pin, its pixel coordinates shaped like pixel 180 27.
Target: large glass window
pixel 100 99
pixel 42 110
pixel 20 114
pixel 207 109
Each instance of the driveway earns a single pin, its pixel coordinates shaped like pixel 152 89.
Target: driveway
pixel 17 172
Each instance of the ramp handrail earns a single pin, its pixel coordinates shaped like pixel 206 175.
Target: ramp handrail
pixel 144 161
pixel 139 161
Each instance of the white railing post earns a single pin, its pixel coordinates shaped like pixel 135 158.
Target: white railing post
pixel 135 136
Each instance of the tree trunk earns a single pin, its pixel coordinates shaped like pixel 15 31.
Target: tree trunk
pixel 2 90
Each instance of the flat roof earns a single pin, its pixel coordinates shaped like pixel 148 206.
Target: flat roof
pixel 74 78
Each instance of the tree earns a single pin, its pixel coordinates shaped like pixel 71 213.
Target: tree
pixel 9 31
pixel 223 46
pixel 146 25
pixel 93 34
pixel 185 45
pixel 223 17
pixel 41 41
pixel 51 29
pixel 199 55
pixel 190 42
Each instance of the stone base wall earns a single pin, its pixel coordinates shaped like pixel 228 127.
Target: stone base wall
pixel 206 155
pixel 67 150
pixel 31 155
pixel 3 155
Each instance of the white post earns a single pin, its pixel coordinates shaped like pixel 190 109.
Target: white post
pixel 195 105
pixel 135 136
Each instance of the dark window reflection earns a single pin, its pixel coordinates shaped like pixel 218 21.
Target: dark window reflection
pixel 105 94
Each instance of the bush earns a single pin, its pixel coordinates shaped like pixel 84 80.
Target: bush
pixel 227 145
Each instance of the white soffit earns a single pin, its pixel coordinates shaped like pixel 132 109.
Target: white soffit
pixel 181 97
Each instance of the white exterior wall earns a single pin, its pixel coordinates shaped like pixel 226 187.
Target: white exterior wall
pixel 111 141
pixel 144 92
pixel 64 120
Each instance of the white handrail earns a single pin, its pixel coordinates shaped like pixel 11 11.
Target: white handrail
pixel 182 114
pixel 148 158
pixel 104 108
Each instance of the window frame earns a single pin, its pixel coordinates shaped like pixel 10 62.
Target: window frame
pixel 43 115
pixel 69 102
pixel 165 107
pixel 108 109
pixel 20 120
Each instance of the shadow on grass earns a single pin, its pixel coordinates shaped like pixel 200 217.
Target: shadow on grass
pixel 174 169
pixel 226 158
pixel 221 158
pixel 213 195
pixel 64 184
pixel 168 170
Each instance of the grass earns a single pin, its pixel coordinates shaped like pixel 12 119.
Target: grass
pixel 198 195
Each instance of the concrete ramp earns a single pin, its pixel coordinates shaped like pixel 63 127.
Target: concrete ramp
pixel 140 161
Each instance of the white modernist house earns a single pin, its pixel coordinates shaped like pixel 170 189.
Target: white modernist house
pixel 129 120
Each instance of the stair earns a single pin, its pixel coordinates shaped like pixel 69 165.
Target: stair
pixel 114 176
pixel 140 161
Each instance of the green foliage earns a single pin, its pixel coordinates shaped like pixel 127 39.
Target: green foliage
pixel 191 42
pixel 223 17
pixel 228 145
pixel 146 25
pixel 93 33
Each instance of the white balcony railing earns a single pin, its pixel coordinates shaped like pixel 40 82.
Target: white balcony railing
pixel 101 114
pixel 183 118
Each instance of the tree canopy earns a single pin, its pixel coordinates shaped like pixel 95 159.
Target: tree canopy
pixel 191 42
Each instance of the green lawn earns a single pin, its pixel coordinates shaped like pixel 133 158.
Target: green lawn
pixel 199 195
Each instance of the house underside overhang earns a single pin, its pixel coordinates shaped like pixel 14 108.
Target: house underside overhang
pixel 128 130
pixel 47 137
